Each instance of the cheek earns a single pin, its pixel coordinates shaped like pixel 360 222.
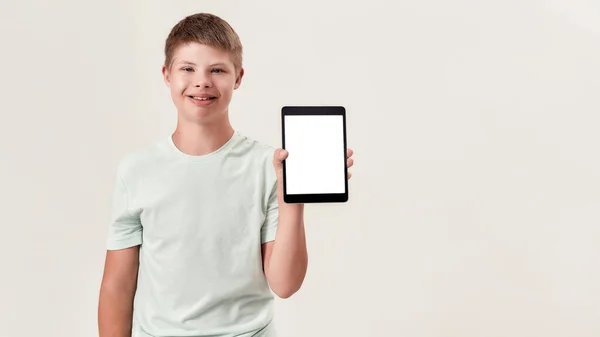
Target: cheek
pixel 178 85
pixel 227 86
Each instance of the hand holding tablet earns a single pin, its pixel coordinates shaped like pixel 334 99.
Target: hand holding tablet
pixel 316 168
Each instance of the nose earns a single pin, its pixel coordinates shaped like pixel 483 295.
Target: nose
pixel 203 81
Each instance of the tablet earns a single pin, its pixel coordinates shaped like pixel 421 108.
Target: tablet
pixel 316 168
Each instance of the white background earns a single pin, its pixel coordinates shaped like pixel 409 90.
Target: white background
pixel 315 164
pixel 476 187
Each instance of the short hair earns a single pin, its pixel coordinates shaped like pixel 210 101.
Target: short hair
pixel 207 29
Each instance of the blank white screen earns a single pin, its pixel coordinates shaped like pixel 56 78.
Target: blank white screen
pixel 316 160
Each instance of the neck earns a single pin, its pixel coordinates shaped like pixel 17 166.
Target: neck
pixel 197 139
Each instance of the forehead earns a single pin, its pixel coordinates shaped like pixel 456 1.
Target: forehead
pixel 200 54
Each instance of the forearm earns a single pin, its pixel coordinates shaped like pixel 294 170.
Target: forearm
pixel 289 258
pixel 115 311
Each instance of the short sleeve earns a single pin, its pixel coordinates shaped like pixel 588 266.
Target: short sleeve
pixel 269 227
pixel 125 228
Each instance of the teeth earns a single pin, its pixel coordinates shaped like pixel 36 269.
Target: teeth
pixel 201 98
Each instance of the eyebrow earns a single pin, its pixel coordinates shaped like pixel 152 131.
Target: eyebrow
pixel 187 62
pixel 221 64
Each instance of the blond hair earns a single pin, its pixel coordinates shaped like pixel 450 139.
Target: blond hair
pixel 207 29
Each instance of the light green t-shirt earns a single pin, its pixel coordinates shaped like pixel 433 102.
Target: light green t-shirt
pixel 200 221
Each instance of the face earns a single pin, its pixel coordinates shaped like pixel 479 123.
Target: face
pixel 201 80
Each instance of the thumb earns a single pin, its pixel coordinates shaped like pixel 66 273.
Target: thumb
pixel 283 154
pixel 279 157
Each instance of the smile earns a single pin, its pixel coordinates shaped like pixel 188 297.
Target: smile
pixel 202 98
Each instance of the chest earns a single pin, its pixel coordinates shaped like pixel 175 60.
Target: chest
pixel 212 204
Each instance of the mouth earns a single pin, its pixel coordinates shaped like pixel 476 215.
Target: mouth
pixel 203 98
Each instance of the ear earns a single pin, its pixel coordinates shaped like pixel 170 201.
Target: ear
pixel 238 80
pixel 165 73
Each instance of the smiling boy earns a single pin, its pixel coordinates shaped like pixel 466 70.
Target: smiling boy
pixel 200 234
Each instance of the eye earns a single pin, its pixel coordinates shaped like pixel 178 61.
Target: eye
pixel 187 69
pixel 217 70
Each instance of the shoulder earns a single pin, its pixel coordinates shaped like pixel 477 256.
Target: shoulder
pixel 258 157
pixel 136 161
pixel 253 148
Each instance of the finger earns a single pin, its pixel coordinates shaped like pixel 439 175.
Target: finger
pixel 279 156
pixel 350 162
pixel 283 154
pixel 349 175
pixel 349 153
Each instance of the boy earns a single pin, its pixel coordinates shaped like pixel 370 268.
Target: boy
pixel 200 233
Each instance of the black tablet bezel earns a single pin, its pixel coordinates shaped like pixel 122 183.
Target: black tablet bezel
pixel 316 111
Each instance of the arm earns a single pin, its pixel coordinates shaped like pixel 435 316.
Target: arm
pixel 285 260
pixel 119 283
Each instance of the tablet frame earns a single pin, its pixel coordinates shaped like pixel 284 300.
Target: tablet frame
pixel 314 111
